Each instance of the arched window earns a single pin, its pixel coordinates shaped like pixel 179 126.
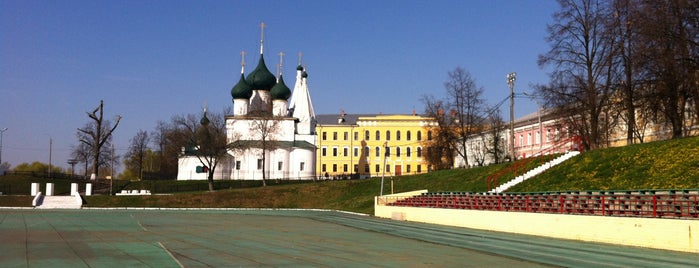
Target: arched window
pixel 366 135
pixel 407 151
pixel 429 135
pixel 378 151
pixel 419 135
pixel 398 135
pixel 419 151
pixel 366 153
pixel 378 135
pixel 388 151
pixel 407 135
pixel 397 151
pixel 388 135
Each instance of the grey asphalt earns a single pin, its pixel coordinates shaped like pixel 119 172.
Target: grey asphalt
pixel 274 238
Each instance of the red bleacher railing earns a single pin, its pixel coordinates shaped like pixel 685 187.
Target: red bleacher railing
pixel 647 204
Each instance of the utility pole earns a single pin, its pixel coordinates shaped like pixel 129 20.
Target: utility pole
pixel 383 175
pixel 50 154
pixel 511 77
pixel 2 132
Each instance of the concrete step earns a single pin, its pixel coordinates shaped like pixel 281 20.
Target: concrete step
pixel 66 202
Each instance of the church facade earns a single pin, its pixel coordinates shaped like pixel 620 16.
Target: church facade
pixel 272 130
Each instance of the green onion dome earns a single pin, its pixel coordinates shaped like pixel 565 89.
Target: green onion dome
pixel 241 90
pixel 304 74
pixel 204 120
pixel 299 68
pixel 261 78
pixel 280 91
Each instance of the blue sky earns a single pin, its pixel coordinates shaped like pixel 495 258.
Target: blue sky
pixel 150 60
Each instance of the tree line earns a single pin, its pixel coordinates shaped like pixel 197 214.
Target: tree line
pixel 625 64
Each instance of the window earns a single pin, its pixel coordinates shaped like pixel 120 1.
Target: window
pixel 334 167
pixel 346 135
pixel 429 135
pixel 345 151
pixel 237 165
pixel 419 135
pixel 366 151
pixel 548 135
pixel 334 151
pixel 325 135
pixel 378 135
pixel 378 168
pixel 356 168
pixel 419 151
pixel 356 135
pixel 366 135
pixel 419 168
pixel 259 164
pixel 388 168
pixel 280 165
pixel 388 135
pixel 344 168
pixel 301 166
pixel 334 136
pixel 323 168
pixel 356 151
pixel 521 140
pixel 388 151
pixel 407 135
pixel 397 151
pixel 538 137
pixel 366 168
pixel 407 152
pixel 407 168
pixel 378 151
pixel 529 138
pixel 324 151
pixel 398 135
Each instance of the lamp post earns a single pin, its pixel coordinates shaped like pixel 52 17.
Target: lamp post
pixel 511 77
pixel 2 131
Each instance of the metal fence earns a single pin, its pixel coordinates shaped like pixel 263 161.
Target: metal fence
pixel 648 204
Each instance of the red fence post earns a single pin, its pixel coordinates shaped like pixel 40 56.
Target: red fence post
pixel 655 206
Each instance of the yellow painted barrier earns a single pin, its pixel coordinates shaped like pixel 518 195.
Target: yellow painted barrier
pixel 669 234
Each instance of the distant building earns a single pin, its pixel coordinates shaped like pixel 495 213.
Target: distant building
pixel 370 145
pixel 264 103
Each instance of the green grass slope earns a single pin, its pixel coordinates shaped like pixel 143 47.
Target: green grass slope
pixel 671 164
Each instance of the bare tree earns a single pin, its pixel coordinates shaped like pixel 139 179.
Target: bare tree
pixel 137 152
pixel 83 154
pixel 466 105
pixel 207 139
pixel 97 134
pixel 265 129
pixel 668 44
pixel 439 146
pixel 494 138
pixel 581 53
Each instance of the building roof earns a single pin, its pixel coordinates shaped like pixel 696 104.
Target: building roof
pixel 332 119
pixel 261 78
pixel 280 91
pixel 241 90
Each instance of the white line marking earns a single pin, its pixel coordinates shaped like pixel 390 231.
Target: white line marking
pixel 171 256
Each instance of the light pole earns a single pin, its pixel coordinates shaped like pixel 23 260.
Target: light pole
pixel 511 77
pixel 2 131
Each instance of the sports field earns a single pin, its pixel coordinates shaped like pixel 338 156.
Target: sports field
pixel 292 238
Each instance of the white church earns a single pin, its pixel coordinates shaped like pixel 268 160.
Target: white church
pixel 263 103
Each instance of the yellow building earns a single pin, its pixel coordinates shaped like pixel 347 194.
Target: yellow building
pixel 371 145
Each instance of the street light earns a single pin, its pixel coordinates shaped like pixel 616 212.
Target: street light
pixel 2 131
pixel 511 77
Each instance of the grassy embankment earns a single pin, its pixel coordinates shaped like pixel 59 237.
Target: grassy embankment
pixel 670 164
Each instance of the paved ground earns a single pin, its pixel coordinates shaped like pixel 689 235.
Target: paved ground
pixel 272 238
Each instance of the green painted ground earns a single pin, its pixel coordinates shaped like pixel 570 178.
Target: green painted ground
pixel 272 238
